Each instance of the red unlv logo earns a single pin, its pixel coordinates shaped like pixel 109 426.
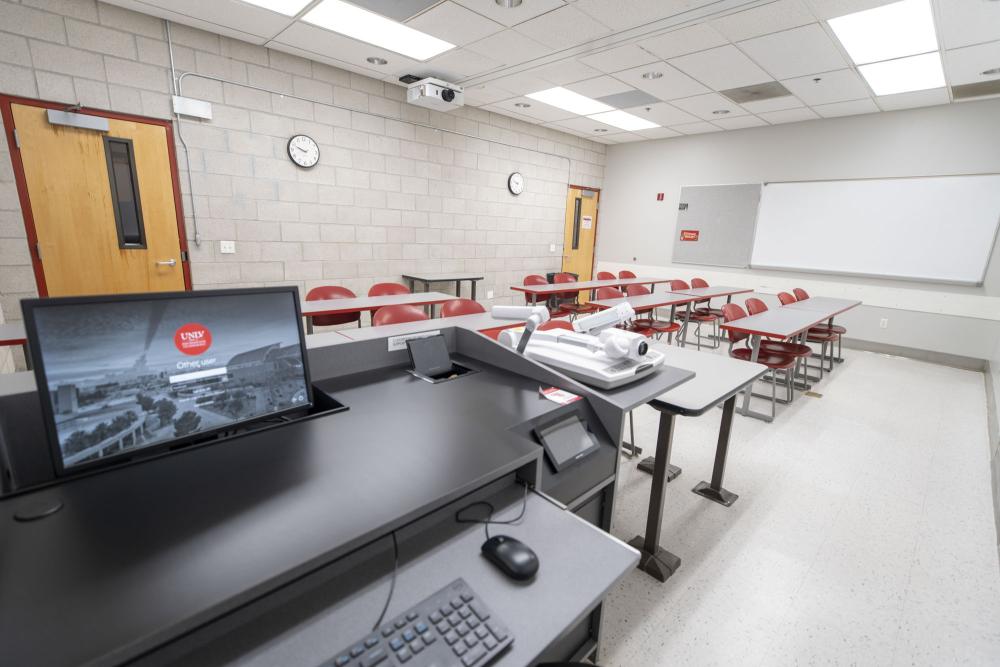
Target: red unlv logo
pixel 193 338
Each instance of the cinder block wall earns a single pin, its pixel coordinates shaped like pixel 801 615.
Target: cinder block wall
pixel 387 198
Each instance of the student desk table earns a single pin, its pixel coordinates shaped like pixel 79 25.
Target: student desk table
pixel 311 309
pixel 12 333
pixel 713 292
pixel 651 301
pixel 482 322
pixel 829 305
pixel 717 379
pixel 581 286
pixel 457 278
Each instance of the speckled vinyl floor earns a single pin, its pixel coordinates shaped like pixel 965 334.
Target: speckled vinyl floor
pixel 863 534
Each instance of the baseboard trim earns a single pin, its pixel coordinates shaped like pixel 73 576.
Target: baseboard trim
pixel 942 358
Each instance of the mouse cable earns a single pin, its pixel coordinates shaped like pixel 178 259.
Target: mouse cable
pixel 489 515
pixel 392 582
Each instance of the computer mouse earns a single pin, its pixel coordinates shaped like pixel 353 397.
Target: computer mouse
pixel 512 557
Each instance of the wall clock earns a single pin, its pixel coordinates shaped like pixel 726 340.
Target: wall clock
pixel 303 151
pixel 515 183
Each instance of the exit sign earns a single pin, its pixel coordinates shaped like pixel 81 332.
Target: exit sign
pixel 689 235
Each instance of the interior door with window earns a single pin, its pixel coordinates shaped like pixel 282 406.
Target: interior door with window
pixel 580 234
pixel 102 211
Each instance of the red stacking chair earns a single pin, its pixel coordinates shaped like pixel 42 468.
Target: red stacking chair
pixel 388 289
pixel 785 298
pixel 569 301
pixel 605 275
pixel 699 318
pixel 461 307
pixel 775 361
pixel 707 308
pixel 822 330
pixel 556 324
pixel 398 314
pixel 615 293
pixel 535 279
pixel 325 292
pixel 796 350
pixel 622 275
pixel 647 318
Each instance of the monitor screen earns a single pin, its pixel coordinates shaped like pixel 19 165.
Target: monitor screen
pixel 126 374
pixel 567 441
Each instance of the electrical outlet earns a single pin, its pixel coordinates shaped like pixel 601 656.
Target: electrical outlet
pixel 883 323
pixel 489 294
pixel 552 247
pixel 227 247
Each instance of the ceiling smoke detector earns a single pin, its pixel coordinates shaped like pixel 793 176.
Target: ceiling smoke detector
pixel 509 4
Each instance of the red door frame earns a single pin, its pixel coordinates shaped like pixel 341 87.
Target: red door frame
pixel 597 213
pixel 7 114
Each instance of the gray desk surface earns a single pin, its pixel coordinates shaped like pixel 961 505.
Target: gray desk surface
pixel 654 300
pixel 825 304
pixel 144 553
pixel 474 322
pixel 12 333
pixel 325 339
pixel 717 377
pixel 441 277
pixel 777 322
pixel 362 303
pixel 578 566
pixel 582 286
pixel 712 292
pixel 17 383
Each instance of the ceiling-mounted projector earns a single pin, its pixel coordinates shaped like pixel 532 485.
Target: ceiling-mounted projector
pixel 435 94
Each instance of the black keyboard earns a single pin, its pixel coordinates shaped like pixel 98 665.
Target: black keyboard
pixel 452 628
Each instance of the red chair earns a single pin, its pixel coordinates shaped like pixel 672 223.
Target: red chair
pixel 647 318
pixel 785 298
pixel 800 294
pixel 605 275
pixel 604 293
pixel 622 275
pixel 535 279
pixel 569 301
pixel 797 350
pixel 397 314
pixel 775 361
pixel 326 292
pixel 556 324
pixel 707 308
pixel 388 289
pixel 822 330
pixel 699 317
pixel 461 307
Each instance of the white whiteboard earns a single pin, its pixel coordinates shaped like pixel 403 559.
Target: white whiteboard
pixel 939 229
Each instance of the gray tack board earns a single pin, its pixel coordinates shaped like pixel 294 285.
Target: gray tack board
pixel 724 217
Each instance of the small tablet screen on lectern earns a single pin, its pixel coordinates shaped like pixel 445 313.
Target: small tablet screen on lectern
pixel 566 441
pixel 430 356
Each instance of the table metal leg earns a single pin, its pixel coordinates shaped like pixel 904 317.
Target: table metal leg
pixel 682 334
pixel 714 491
pixel 309 324
pixel 653 559
pixel 755 346
pixel 458 289
pixel 472 285
pixel 27 357
pixel 629 447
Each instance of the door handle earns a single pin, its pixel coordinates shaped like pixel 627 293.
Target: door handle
pixel 167 262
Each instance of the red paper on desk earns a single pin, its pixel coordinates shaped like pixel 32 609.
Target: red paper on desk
pixel 560 396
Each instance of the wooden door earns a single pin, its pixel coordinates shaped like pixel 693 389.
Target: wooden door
pixel 580 233
pixel 102 206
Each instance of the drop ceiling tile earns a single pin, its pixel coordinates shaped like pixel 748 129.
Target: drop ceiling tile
pixel 854 107
pixel 330 44
pixel 622 14
pixel 663 114
pixel 721 68
pixel 454 23
pixel 513 15
pixel 703 106
pixel 522 84
pixel 788 115
pixel 659 133
pixel 397 10
pixel 617 59
pixel 829 9
pixel 795 52
pixel 510 114
pixel 686 40
pixel 780 15
pixel 341 64
pixel 633 98
pixel 565 72
pixel 225 17
pixel 536 111
pixel 562 28
pixel 459 64
pixel 509 47
pixel 966 22
pixel 918 98
pixel 700 127
pixel 600 87
pixel 672 85
pixel 626 137
pixel 486 93
pixel 586 126
pixel 774 104
pixel 967 64
pixel 739 123
pixel 838 86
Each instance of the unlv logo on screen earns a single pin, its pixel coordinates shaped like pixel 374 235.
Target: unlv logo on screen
pixel 193 338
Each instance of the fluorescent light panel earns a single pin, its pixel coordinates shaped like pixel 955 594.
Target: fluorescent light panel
pixel 372 28
pixel 623 120
pixel 567 100
pixel 892 31
pixel 904 75
pixel 286 7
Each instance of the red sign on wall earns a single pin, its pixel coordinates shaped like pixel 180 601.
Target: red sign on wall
pixel 689 235
pixel 193 338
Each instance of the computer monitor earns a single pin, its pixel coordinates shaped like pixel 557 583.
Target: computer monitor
pixel 130 375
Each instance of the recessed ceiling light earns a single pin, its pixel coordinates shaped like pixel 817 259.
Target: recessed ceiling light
pixel 372 28
pixel 721 112
pixel 891 31
pixel 522 105
pixel 286 7
pixel 652 75
pixel 375 60
pixel 623 120
pixel 567 100
pixel 507 4
pixel 990 72
pixel 599 129
pixel 904 75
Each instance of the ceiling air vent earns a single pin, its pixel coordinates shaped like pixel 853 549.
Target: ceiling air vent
pixel 981 89
pixel 762 91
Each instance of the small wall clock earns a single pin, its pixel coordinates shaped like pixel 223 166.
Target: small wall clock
pixel 515 183
pixel 303 151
